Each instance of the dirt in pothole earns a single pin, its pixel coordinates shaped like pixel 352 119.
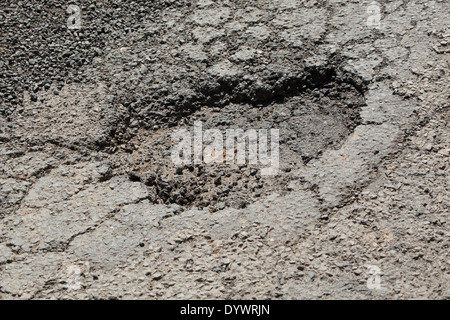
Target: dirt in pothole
pixel 310 120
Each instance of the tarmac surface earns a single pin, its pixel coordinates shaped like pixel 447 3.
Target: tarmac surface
pixel 93 207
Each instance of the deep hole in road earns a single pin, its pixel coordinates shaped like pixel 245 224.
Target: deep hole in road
pixel 314 111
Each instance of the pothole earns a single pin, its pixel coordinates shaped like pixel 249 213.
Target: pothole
pixel 312 112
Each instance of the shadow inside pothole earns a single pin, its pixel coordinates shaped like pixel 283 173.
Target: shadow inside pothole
pixel 313 113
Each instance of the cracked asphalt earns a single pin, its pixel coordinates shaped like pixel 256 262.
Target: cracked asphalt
pixel 92 207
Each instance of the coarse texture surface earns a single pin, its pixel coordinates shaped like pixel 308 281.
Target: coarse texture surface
pixel 93 207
